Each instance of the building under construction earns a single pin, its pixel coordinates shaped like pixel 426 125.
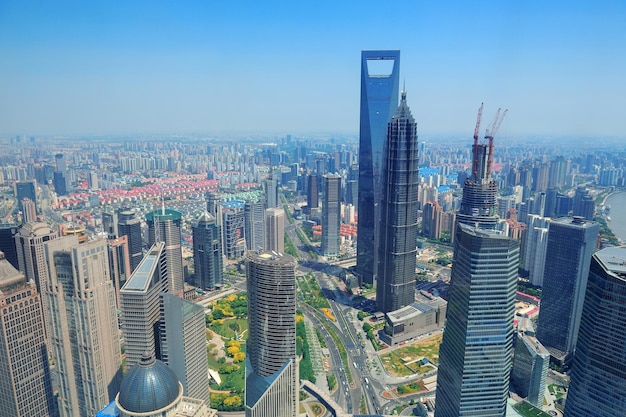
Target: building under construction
pixel 478 206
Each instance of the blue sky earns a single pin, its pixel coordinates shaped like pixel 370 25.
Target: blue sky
pixel 293 67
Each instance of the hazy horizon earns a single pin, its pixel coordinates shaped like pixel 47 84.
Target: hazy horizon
pixel 285 68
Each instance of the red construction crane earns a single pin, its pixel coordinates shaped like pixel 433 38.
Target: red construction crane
pixel 475 149
pixel 490 133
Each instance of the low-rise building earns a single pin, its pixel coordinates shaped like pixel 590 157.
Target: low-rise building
pixel 414 320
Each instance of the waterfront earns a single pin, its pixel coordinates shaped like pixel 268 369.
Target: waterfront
pixel 618 214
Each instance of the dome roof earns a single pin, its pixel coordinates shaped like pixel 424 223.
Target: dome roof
pixel 149 386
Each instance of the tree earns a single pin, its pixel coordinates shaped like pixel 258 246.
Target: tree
pixel 367 327
pixel 239 357
pixel 217 314
pixel 234 401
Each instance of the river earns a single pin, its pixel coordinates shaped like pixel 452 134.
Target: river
pixel 618 215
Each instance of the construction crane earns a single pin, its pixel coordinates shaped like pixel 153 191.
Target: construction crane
pixel 490 132
pixel 476 129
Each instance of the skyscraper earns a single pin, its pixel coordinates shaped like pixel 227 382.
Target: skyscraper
pixel 25 189
pixel 208 257
pixel 571 242
pixel 254 219
pixel 530 369
pixel 30 213
pixel 25 386
pixel 478 205
pixel 275 230
pixel 183 344
pixel 7 242
pixel 312 193
pixel 379 100
pixel 598 378
pixel 31 256
pixel 271 364
pixel 233 230
pixel 165 226
pixel 399 206
pixel 140 305
pixel 475 354
pixel 85 339
pixel 119 262
pixel 129 225
pixel 331 214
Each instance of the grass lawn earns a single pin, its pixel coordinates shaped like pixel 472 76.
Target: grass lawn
pixel 528 410
pixel 229 327
pixel 405 360
pixel 557 390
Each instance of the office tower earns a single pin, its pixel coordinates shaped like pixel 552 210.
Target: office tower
pixel 530 369
pixel 331 214
pixel 379 100
pixel 25 189
pixel 254 221
pixel 208 257
pixel 183 344
pixel 129 225
pixel 233 230
pixel 7 243
pixel 312 193
pixel 478 205
pixel 151 389
pixel 109 224
pixel 59 160
pixel 275 230
pixel 271 364
pixel 30 213
pixel 85 340
pixel 29 243
pixel 475 354
pixel 60 183
pixel 540 174
pixel 140 305
pixel 598 378
pixel 270 186
pixel 214 206
pixel 25 386
pixel 399 206
pixel 583 204
pixel 534 246
pixel 571 242
pixel 119 262
pixel 165 226
pixel 550 207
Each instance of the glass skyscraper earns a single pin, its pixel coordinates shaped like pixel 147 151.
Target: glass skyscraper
pixel 598 379
pixel 379 100
pixel 208 257
pixel 476 351
pixel 331 214
pixel 571 243
pixel 271 364
pixel 165 226
pixel 399 205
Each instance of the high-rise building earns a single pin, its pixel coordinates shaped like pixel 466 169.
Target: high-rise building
pixel 271 364
pixel 331 214
pixel 571 242
pixel 271 191
pixel 85 340
pixel 534 246
pixel 119 262
pixel 530 369
pixel 60 183
pixel 275 230
pixel 183 344
pixel 7 242
pixel 109 224
pixel 397 249
pixel 480 190
pixel 208 257
pixel 312 193
pixel 380 75
pixel 233 230
pixel 29 242
pixel 30 212
pixel 476 351
pixel 254 219
pixel 129 225
pixel 598 378
pixel 165 226
pixel 25 386
pixel 25 189
pixel 140 305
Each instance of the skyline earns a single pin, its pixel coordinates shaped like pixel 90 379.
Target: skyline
pixel 97 68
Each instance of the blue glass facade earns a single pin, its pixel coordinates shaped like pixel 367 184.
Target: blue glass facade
pixel 379 101
pixel 476 351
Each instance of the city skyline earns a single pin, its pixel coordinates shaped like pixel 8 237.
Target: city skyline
pixel 152 67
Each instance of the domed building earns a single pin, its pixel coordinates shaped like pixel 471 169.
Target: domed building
pixel 151 389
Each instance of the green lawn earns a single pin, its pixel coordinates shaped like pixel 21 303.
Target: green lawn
pixel 229 327
pixel 529 410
